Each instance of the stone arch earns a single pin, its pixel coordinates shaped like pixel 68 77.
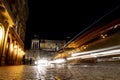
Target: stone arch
pixel 2 35
pixel 10 48
pixel 7 51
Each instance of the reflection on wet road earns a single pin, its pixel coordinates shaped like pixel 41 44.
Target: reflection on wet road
pixel 27 72
pixel 102 71
pixel 19 73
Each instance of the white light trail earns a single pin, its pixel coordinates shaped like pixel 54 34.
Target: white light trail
pixel 97 54
pixel 96 51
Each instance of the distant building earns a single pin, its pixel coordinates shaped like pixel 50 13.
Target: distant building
pixel 43 49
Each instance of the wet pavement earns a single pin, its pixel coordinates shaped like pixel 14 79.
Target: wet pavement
pixel 21 72
pixel 104 71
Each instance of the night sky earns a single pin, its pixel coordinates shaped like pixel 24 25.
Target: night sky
pixel 62 20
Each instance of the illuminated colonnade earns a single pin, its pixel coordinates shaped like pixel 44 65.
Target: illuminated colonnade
pixel 11 42
pixel 11 52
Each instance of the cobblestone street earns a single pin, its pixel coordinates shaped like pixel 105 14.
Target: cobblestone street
pixel 104 71
pixel 19 73
pixel 100 71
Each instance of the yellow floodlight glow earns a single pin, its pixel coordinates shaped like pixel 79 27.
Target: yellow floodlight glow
pixel 11 47
pixel 1 33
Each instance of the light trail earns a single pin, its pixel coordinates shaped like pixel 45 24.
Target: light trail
pixel 115 50
pixel 96 51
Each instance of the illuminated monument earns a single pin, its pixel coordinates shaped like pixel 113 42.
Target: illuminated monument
pixel 43 49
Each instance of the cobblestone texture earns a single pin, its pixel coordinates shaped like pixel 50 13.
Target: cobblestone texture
pixel 62 72
pixel 100 71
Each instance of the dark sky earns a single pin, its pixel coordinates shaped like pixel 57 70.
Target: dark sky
pixel 61 19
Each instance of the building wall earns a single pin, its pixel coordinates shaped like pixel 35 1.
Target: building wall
pixel 53 45
pixel 44 50
pixel 13 16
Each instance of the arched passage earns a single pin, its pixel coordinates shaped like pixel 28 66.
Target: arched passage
pixel 2 35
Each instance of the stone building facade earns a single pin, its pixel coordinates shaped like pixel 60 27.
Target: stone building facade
pixel 13 17
pixel 43 49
